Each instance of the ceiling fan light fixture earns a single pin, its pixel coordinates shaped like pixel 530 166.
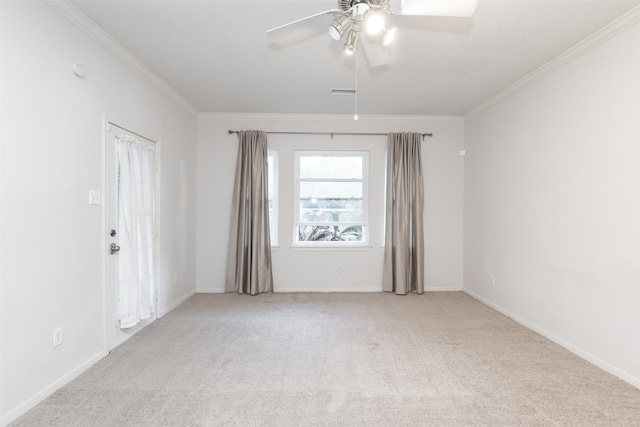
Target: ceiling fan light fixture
pixel 375 23
pixel 351 44
pixel 388 35
pixel 339 26
pixel 360 9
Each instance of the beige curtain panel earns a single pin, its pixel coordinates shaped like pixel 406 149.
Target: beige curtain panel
pixel 249 257
pixel 404 232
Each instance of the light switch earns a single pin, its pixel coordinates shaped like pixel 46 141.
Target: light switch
pixel 94 197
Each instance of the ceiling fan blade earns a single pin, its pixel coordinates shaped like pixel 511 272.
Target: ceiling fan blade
pixel 304 28
pixel 438 24
pixel 453 8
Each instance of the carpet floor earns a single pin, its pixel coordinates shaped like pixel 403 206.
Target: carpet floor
pixel 347 359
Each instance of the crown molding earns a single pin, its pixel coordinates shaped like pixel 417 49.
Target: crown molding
pixel 616 27
pixel 80 20
pixel 332 117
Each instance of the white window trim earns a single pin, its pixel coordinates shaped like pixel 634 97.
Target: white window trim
pixel 276 217
pixel 365 202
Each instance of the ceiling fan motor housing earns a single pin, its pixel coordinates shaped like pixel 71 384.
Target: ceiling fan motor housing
pixel 346 5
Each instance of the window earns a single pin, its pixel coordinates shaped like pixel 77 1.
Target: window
pixel 331 198
pixel 272 178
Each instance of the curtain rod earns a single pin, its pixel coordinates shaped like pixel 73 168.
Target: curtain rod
pixel 331 133
pixel 130 131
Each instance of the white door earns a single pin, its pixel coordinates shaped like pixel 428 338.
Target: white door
pixel 116 334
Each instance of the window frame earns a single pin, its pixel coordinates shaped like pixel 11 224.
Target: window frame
pixel 364 154
pixel 274 218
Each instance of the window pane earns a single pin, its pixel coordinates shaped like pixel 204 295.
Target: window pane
pixel 330 234
pixel 270 176
pixel 336 167
pixel 323 207
pixel 331 190
pixel 332 197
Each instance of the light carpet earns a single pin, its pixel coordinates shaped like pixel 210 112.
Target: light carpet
pixel 346 359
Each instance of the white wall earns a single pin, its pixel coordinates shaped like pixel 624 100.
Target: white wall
pixel 52 155
pixel 316 270
pixel 552 201
pixel 552 205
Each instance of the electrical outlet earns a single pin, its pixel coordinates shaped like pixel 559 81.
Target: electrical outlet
pixel 57 337
pixel 94 197
pixel 339 268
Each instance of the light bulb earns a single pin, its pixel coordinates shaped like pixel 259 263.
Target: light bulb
pixel 375 23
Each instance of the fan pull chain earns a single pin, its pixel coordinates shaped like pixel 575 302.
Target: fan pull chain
pixel 355 98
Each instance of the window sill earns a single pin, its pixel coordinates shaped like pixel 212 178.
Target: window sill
pixel 330 248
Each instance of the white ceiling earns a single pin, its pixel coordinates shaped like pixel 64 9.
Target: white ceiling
pixel 215 53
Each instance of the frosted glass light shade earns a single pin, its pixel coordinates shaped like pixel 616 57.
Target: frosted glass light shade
pixel 352 42
pixel 388 36
pixel 339 26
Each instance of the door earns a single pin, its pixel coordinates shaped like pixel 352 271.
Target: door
pixel 122 258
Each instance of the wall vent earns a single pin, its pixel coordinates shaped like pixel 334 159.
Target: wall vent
pixel 343 92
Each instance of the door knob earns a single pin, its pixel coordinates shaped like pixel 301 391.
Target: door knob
pixel 114 248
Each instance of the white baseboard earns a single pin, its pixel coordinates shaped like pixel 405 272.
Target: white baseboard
pixel 279 289
pixel 49 390
pixel 163 311
pixel 572 348
pixel 443 289
pixel 210 291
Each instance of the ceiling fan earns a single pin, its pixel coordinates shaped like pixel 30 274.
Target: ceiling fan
pixel 374 18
